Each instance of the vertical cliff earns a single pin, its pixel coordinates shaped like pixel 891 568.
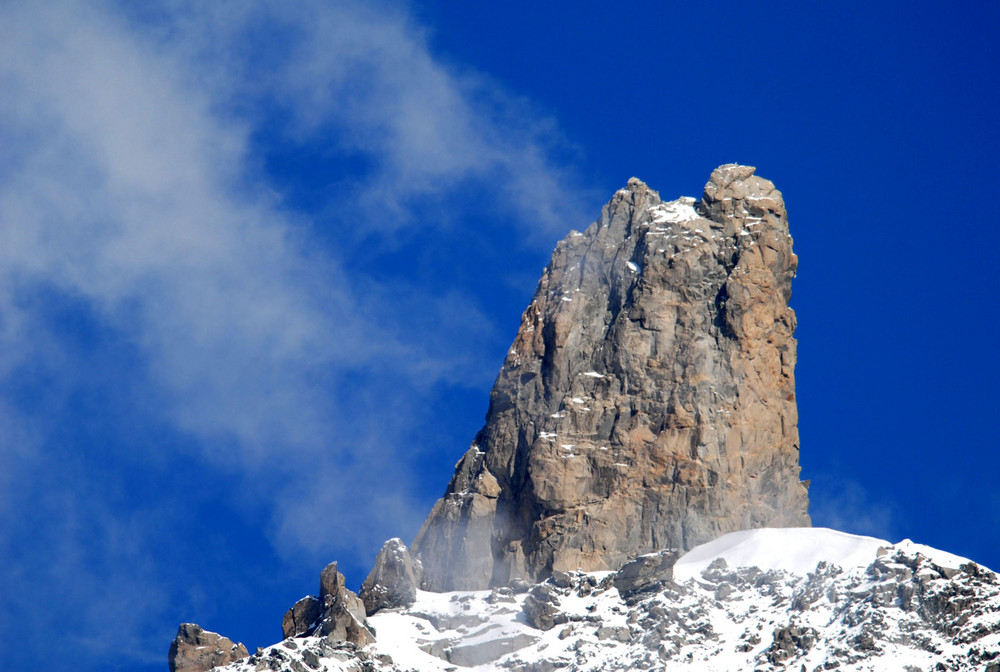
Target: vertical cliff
pixel 648 400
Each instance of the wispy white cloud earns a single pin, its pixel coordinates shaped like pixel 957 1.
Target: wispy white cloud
pixel 363 79
pixel 132 184
pixel 847 506
pixel 127 187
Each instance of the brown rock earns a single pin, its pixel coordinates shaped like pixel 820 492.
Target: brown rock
pixel 393 581
pixel 648 400
pixel 301 618
pixel 197 650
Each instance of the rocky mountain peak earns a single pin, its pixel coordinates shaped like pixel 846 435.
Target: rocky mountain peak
pixel 636 185
pixel 648 399
pixel 643 421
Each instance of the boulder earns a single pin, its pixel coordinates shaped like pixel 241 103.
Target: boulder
pixel 648 572
pixel 195 649
pixel 791 641
pixel 541 608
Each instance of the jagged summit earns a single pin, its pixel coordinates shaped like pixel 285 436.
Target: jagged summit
pixel 648 399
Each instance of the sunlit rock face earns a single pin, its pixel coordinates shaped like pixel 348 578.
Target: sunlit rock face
pixel 647 402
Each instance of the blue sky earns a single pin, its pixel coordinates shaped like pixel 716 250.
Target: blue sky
pixel 259 265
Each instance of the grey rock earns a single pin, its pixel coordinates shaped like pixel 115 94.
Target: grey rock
pixel 438 648
pixel 541 608
pixel 520 586
pixel 393 581
pixel 616 633
pixel 648 399
pixel 724 591
pixel 502 594
pixel 481 653
pixel 561 579
pixel 790 641
pixel 311 659
pixel 452 621
pixel 648 572
pixel 195 649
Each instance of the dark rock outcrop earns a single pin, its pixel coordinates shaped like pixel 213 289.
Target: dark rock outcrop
pixel 195 649
pixel 647 402
pixel 393 581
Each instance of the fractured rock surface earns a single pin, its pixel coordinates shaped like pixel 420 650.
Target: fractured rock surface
pixel 648 399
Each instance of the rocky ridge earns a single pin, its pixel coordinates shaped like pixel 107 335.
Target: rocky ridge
pixel 648 399
pixel 887 607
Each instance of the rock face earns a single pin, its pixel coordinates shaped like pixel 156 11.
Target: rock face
pixel 302 618
pixel 338 614
pixel 198 650
pixel 648 400
pixel 393 581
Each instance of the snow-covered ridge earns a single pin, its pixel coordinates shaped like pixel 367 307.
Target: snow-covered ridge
pixel 790 599
pixel 798 550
